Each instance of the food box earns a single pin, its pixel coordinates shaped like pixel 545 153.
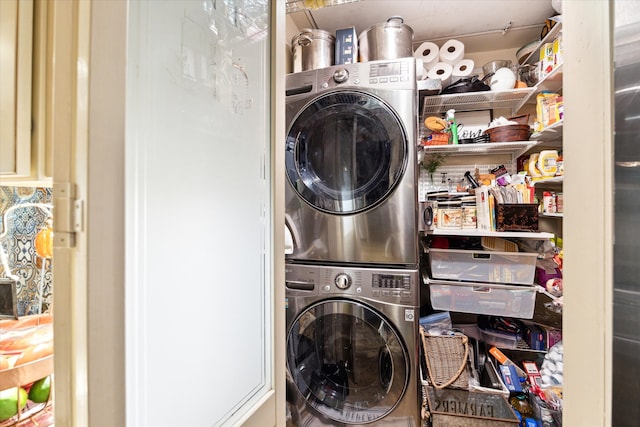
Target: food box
pixel 517 217
pixel 535 337
pixel 346 48
pixel 483 266
pixel 483 298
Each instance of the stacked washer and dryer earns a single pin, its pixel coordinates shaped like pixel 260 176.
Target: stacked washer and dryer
pixel 352 281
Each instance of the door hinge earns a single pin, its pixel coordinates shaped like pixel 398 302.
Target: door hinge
pixel 68 215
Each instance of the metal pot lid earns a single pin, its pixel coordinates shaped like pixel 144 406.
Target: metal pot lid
pixel 392 22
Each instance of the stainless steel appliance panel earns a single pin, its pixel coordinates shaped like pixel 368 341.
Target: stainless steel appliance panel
pixel 626 255
pixel 352 346
pixel 351 164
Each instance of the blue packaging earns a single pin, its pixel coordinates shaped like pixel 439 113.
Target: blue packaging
pixel 510 377
pixel 535 337
pixel 346 47
pixel 531 422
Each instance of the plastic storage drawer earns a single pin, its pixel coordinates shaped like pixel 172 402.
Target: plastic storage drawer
pixel 499 339
pixel 483 266
pixel 483 298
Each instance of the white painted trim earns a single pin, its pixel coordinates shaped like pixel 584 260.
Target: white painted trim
pixel 65 122
pixel 587 139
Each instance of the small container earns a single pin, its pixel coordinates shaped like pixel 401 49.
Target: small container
pixel 449 215
pixel 547 162
pixel 499 339
pixel 508 133
pixel 560 165
pixel 560 202
pixel 548 202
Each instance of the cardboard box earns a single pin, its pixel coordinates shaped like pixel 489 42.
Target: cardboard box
pixel 546 59
pixel 346 48
pixel 535 337
pixel 552 336
pixel 482 208
pixel 510 378
pixel 517 217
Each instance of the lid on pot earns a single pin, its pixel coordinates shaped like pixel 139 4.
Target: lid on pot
pixel 392 22
pixel 307 35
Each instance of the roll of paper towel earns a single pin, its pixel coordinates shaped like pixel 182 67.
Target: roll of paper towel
pixel 463 68
pixel 452 52
pixel 441 71
pixel 429 53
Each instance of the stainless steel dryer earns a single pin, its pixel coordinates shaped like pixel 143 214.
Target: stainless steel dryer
pixel 352 346
pixel 351 164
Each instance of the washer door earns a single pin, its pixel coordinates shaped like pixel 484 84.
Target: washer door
pixel 346 151
pixel 347 361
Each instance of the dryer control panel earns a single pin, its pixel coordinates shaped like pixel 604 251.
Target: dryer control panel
pixel 397 74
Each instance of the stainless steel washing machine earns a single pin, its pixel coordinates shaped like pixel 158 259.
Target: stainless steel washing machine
pixel 351 164
pixel 352 346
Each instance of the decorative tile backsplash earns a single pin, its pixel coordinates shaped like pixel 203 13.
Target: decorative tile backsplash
pixel 18 241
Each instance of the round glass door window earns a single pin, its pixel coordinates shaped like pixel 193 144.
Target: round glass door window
pixel 345 152
pixel 347 361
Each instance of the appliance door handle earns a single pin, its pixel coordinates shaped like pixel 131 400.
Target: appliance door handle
pixel 299 285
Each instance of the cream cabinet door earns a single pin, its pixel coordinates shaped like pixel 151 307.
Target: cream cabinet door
pixel 16 34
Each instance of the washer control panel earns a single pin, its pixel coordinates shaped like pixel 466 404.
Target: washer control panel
pixel 390 285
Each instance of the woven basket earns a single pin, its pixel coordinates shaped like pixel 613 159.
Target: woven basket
pixel 446 357
pixel 508 133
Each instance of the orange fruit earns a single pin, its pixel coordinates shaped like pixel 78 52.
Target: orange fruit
pixel 44 243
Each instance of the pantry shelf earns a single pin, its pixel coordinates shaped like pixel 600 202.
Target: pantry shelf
pixel 476 101
pixel 514 147
pixel 548 38
pixel 552 215
pixel 550 133
pixel 555 181
pixel 479 233
pixel 552 82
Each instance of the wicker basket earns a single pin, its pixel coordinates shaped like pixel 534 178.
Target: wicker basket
pixel 447 357
pixel 509 133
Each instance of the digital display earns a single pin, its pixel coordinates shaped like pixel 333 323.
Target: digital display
pixel 391 281
pixel 383 70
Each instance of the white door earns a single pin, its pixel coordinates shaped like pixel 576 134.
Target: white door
pixel 170 315
pixel 199 208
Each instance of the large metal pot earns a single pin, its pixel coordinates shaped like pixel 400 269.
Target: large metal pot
pixel 389 40
pixel 312 49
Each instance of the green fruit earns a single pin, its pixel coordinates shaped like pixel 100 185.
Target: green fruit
pixel 39 392
pixel 9 402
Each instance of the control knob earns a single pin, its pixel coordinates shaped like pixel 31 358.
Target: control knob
pixel 341 75
pixel 343 281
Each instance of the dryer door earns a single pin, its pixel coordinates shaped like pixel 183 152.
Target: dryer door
pixel 346 151
pixel 347 361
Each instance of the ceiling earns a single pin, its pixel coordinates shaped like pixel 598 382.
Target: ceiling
pixel 480 24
